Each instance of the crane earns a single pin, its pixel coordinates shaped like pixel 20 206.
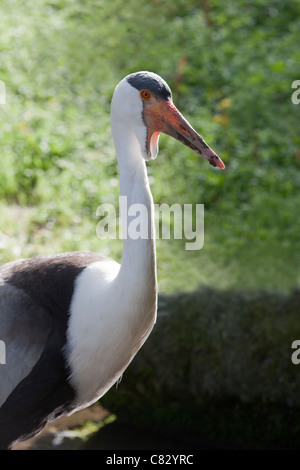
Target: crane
pixel 73 322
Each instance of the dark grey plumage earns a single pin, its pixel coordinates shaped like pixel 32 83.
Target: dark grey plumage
pixel 152 82
pixel 35 296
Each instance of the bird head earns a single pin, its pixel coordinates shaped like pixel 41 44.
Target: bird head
pixel 143 101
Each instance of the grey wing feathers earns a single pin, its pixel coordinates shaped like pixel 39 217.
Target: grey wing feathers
pixel 24 329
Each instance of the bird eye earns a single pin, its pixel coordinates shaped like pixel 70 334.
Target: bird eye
pixel 145 95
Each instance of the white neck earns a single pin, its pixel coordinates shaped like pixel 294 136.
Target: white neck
pixel 115 306
pixel 138 266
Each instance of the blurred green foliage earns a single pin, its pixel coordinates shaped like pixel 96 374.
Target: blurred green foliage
pixel 230 65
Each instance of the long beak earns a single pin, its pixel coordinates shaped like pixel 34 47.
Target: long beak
pixel 171 122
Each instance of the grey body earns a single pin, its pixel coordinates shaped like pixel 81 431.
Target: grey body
pixel 35 297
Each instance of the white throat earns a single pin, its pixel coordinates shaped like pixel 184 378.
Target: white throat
pixel 137 215
pixel 114 307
